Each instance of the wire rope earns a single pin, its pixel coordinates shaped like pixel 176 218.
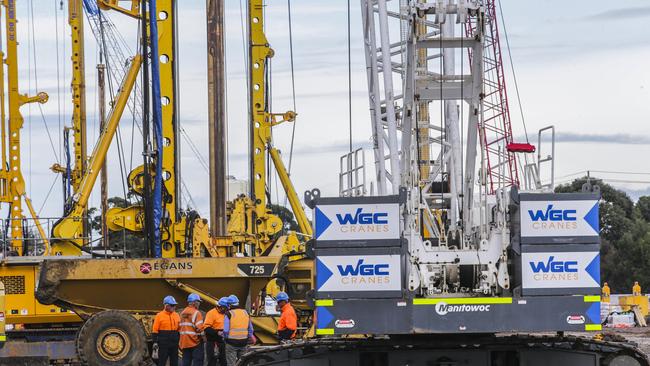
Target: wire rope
pixel 63 57
pixel 118 140
pixel 244 32
pixel 462 129
pixel 293 86
pixel 189 198
pixel 512 68
pixel 58 77
pixel 56 177
pixel 30 54
pixel 32 57
pixel 194 149
pixel 349 80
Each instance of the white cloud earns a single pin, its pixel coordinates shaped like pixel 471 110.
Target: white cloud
pixel 578 87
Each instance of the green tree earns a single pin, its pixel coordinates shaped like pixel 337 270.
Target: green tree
pixel 133 244
pixel 625 236
pixel 616 207
pixel 643 205
pixel 286 216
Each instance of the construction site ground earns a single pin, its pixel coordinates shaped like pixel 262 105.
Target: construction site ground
pixel 65 350
pixel 638 335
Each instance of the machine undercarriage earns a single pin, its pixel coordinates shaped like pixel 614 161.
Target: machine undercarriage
pixel 470 350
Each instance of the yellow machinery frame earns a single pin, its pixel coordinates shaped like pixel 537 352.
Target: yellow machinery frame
pixel 76 22
pixel 265 224
pixel 12 184
pixel 173 237
pixel 19 272
pixel 251 222
pixel 69 231
pixel 78 85
pixel 66 231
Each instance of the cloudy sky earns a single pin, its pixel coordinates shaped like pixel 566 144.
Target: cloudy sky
pixel 580 65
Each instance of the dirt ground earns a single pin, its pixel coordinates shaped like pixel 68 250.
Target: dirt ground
pixel 638 335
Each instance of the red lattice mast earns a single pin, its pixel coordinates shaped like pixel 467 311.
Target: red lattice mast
pixel 496 130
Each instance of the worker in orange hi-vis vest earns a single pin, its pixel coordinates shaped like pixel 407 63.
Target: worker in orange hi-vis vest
pixel 165 333
pixel 237 331
pixel 213 327
pixel 191 331
pixel 288 319
pixel 606 292
pixel 636 289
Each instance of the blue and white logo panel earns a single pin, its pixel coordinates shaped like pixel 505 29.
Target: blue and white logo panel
pixel 356 273
pixel 560 270
pixel 559 218
pixel 357 222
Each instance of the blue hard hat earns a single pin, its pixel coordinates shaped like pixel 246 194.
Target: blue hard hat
pixel 233 300
pixel 193 297
pixel 169 300
pixel 282 296
pixel 224 301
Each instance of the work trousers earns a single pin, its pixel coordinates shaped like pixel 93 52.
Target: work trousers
pixel 216 353
pixel 193 356
pixel 167 353
pixel 286 335
pixel 233 353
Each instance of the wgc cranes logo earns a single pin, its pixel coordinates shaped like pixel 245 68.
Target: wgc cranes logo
pixel 560 270
pixel 559 219
pixel 357 222
pixel 358 273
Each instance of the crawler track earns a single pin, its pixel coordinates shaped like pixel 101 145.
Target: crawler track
pixel 488 350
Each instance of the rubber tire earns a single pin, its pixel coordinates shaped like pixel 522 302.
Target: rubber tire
pixel 92 328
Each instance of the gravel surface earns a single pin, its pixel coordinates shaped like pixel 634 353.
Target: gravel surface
pixel 638 335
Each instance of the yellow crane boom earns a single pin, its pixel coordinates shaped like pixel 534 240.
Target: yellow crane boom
pixel 68 230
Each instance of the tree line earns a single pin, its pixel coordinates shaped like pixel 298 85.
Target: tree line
pixel 625 235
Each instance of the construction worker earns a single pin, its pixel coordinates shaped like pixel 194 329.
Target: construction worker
pixel 288 319
pixel 165 333
pixel 237 331
pixel 191 331
pixel 606 292
pixel 636 289
pixel 213 327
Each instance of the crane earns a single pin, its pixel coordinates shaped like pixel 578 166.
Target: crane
pixel 73 171
pixel 11 177
pixel 175 238
pixel 21 253
pixel 252 221
pixel 253 256
pixel 452 242
pixel 434 253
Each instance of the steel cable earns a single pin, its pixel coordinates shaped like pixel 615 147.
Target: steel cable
pixel 293 88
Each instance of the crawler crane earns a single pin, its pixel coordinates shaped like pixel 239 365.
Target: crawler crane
pixel 455 250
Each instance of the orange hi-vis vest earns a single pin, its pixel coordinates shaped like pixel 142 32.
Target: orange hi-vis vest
pixel 166 321
pixel 191 328
pixel 239 320
pixel 214 319
pixel 288 319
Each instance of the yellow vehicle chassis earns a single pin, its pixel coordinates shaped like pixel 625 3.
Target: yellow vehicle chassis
pixel 19 275
pixel 89 286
